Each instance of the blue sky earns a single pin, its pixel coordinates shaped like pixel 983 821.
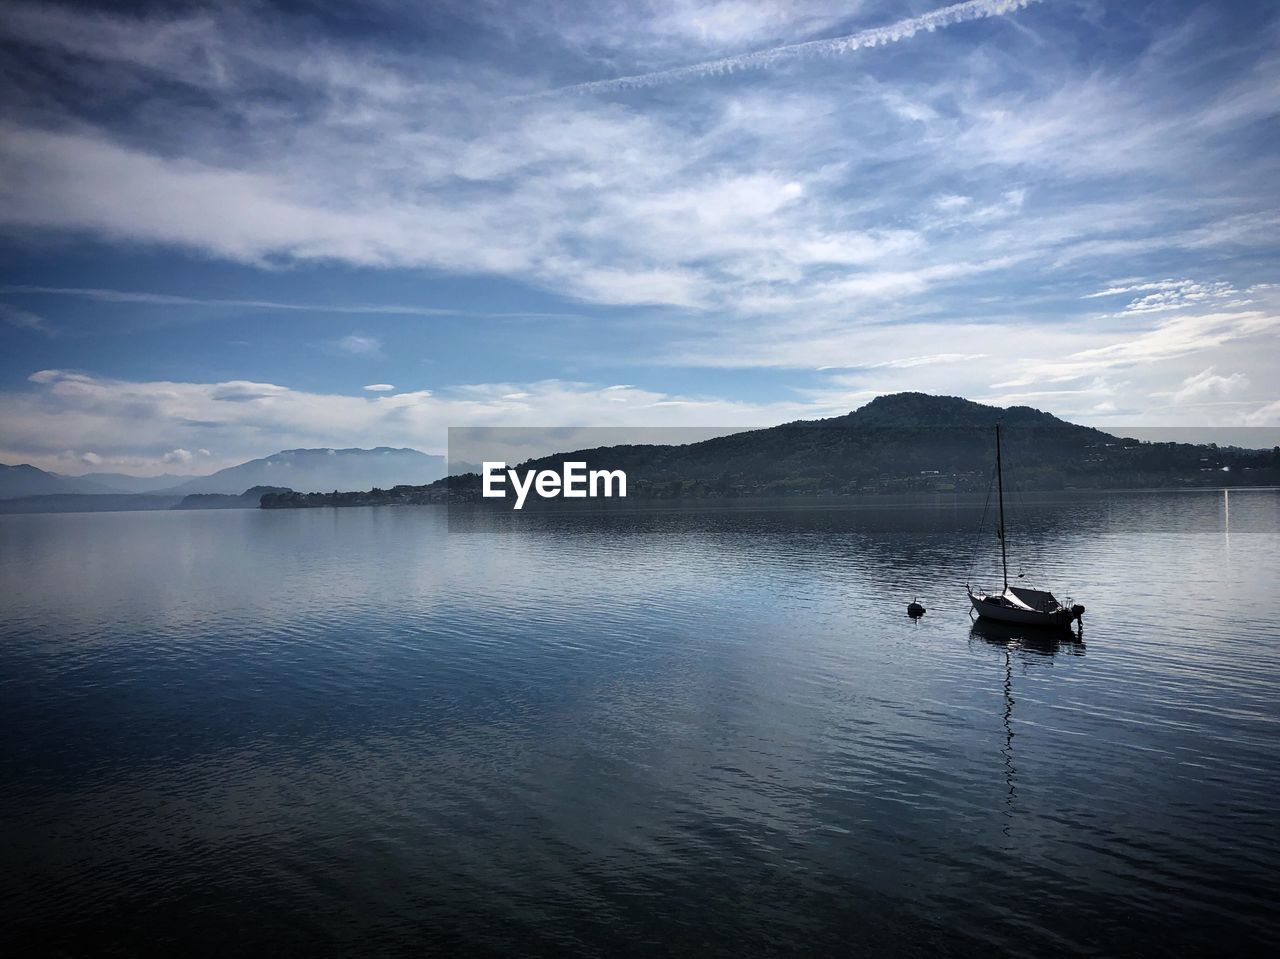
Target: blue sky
pixel 230 229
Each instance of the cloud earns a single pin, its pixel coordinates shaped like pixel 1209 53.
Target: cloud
pixel 835 46
pixel 931 359
pixel 150 424
pixel 25 320
pixel 183 457
pixel 168 299
pixel 759 200
pixel 658 30
pixel 1207 384
pixel 1170 339
pixel 379 387
pixel 1008 217
pixel 142 426
pixel 243 391
pixel 1266 415
pixel 355 344
pixel 733 22
pixel 1163 295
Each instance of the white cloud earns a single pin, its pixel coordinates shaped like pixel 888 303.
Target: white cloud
pixel 1266 415
pixel 147 425
pixel 379 387
pixel 953 222
pixel 735 22
pixel 835 46
pixel 144 426
pixel 25 320
pixel 167 299
pixel 1207 384
pixel 755 199
pixel 1170 339
pixel 1161 296
pixel 355 344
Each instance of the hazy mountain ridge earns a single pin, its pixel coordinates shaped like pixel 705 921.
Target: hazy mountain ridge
pixel 124 483
pixel 308 470
pixel 319 470
pixel 27 480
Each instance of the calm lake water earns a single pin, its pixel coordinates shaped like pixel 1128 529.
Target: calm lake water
pixel 704 732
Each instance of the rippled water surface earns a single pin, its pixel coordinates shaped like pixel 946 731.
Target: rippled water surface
pixel 713 732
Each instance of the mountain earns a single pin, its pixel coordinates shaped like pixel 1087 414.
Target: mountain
pixel 916 410
pixel 902 443
pixel 305 470
pixel 321 470
pixel 26 480
pixel 124 483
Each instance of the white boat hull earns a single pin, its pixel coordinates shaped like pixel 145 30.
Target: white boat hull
pixel 999 609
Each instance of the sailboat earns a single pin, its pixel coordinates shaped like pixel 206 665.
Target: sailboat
pixel 1019 604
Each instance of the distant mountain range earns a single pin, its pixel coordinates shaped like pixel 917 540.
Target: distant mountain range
pixel 902 443
pixel 25 480
pixel 322 470
pixel 302 470
pixel 124 483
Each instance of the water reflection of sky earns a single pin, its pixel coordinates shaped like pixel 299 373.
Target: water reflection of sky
pixel 578 717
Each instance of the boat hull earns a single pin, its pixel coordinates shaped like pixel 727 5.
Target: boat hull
pixel 991 608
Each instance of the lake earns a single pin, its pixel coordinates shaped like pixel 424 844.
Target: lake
pixel 712 732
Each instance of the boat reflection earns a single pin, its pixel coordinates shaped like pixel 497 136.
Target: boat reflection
pixel 1037 640
pixel 1014 638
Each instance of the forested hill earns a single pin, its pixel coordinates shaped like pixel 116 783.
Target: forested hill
pixel 924 410
pixel 906 442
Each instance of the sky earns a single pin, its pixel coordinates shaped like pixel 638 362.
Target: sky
pixel 230 229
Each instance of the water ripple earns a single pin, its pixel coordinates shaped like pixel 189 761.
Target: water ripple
pixel 390 730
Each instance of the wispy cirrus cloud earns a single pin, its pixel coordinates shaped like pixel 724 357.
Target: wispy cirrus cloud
pixel 1172 338
pixel 746 199
pixel 743 201
pixel 834 46
pixel 25 320
pixel 168 299
pixel 356 344
pixel 1161 296
pixel 948 214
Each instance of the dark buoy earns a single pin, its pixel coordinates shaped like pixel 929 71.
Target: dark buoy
pixel 915 610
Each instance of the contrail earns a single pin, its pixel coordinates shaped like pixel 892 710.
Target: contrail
pixel 875 37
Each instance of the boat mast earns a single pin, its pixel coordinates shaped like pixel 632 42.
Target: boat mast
pixel 1004 553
